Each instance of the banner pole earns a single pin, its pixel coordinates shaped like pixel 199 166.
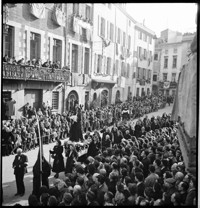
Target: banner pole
pixel 41 149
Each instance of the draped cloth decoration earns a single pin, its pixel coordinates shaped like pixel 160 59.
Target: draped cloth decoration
pixel 166 85
pixel 58 16
pixel 38 10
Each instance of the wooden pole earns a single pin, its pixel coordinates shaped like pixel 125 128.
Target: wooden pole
pixel 40 148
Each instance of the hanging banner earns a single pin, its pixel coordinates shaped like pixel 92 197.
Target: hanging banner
pixel 38 10
pixel 58 16
pixel 166 85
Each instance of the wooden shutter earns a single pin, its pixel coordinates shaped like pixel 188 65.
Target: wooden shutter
pixel 55 100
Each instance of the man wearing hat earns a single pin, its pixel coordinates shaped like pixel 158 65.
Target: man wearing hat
pixel 169 184
pixel 20 168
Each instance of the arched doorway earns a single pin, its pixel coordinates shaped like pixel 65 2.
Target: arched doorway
pixel 72 100
pixel 104 98
pixel 117 97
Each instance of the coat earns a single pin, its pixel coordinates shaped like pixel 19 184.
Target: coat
pixel 20 166
pixel 46 172
pixel 58 163
pixel 93 149
pixel 71 155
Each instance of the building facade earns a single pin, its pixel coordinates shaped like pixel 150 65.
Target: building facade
pixel 171 54
pixel 144 50
pixel 34 31
pixel 96 45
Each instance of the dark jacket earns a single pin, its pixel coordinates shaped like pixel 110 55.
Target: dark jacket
pixel 58 164
pixel 20 165
pixel 70 160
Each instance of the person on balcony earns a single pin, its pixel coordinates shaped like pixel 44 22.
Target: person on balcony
pixel 14 60
pixel 21 61
pixel 5 58
pixel 33 62
pixel 38 63
pixel 47 64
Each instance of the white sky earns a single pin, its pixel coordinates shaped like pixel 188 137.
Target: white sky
pixel 160 16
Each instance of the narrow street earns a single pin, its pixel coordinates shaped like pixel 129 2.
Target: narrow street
pixel 8 178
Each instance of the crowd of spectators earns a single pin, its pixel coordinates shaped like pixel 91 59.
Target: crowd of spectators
pixel 34 62
pixel 24 131
pixel 126 169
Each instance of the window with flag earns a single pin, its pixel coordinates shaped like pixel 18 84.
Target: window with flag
pixel 108 65
pixel 173 77
pixel 76 8
pixel 86 61
pixel 55 100
pixel 174 62
pixel 111 31
pixel 164 77
pixel 57 50
pixel 165 62
pixel 99 64
pixel 8 42
pixel 124 39
pixel 35 44
pixel 149 75
pixel 118 35
pixel 102 27
pixel 74 64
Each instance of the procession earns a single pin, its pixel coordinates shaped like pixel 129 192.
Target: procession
pixel 97 108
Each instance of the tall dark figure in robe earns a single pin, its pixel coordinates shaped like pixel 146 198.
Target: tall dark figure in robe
pixel 46 172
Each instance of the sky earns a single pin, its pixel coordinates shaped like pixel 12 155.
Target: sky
pixel 160 16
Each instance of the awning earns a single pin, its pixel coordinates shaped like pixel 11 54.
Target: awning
pixel 104 81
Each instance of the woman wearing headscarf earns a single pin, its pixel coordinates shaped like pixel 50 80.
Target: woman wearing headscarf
pixel 58 163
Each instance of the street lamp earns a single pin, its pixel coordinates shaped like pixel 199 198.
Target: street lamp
pixel 5 18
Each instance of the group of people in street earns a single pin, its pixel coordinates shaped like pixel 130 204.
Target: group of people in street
pixel 127 164
pixel 24 133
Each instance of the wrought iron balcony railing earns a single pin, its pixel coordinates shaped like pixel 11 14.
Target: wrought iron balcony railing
pixel 22 72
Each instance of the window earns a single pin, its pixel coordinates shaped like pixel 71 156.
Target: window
pixel 88 12
pixel 165 62
pixel 8 42
pixel 119 36
pixel 84 34
pixel 139 52
pixel 129 42
pixel 35 44
pixel 128 70
pixel 154 77
pixel 150 55
pixel 74 65
pixel 108 33
pixel 144 73
pixel 140 35
pixel 108 65
pixel 145 54
pixel 174 62
pixel 150 40
pixel 122 69
pixel 138 91
pixel 109 6
pixel 166 51
pixel 86 62
pixel 117 67
pixel 145 37
pixel 111 31
pixel 6 95
pixel 102 27
pixel 173 77
pixel 175 50
pixel 129 23
pixel 55 100
pixel 164 77
pixel 57 50
pixel 155 57
pixel 99 64
pixel 76 8
pixel 124 39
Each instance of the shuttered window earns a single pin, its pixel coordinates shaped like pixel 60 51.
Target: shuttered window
pixel 55 100
pixel 102 27
pixel 111 31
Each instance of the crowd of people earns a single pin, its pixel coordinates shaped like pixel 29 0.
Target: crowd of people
pixel 126 165
pixel 34 62
pixel 24 131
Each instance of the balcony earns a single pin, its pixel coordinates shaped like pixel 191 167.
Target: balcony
pixel 20 72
